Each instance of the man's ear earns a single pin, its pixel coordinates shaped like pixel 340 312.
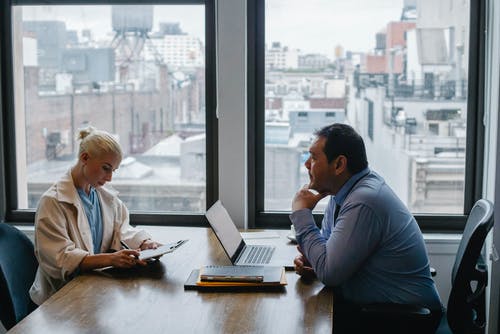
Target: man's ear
pixel 340 164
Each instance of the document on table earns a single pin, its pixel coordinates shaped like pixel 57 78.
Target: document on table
pixel 167 248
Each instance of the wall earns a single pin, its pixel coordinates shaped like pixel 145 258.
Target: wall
pixel 442 249
pixel 231 107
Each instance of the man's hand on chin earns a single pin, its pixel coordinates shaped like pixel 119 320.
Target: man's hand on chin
pixel 306 199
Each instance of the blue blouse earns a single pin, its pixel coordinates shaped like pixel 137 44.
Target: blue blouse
pixel 93 212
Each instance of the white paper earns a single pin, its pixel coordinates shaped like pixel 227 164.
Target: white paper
pixel 168 248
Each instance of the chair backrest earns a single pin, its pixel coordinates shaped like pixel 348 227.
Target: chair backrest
pixel 466 304
pixel 18 266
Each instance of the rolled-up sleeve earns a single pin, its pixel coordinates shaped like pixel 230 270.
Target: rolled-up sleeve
pixel 338 252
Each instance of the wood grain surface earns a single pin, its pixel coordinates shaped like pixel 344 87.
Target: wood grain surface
pixel 152 299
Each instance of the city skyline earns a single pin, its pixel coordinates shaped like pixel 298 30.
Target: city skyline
pixel 98 18
pixel 285 21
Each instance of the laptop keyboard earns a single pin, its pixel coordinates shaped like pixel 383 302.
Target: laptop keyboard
pixel 259 254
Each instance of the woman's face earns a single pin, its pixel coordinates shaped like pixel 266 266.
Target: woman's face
pixel 98 169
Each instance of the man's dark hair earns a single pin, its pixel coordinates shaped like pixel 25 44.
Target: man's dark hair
pixel 342 139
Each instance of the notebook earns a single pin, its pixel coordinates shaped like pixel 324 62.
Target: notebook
pixel 235 247
pixel 253 274
pixel 195 283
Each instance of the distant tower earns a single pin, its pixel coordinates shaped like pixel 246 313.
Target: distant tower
pixel 339 51
pixel 131 25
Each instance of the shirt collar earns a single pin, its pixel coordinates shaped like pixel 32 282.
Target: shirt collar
pixel 346 188
pixel 66 190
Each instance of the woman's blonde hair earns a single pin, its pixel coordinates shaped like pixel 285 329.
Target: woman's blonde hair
pixel 98 142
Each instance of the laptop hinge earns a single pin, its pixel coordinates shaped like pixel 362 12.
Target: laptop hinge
pixel 238 252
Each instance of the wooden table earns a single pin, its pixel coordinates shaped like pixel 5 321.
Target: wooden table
pixel 152 299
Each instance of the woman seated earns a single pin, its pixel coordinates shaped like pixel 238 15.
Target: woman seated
pixel 79 224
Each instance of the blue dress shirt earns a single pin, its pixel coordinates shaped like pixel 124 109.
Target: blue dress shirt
pixel 374 252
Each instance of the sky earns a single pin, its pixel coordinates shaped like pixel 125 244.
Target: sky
pixel 312 25
pixel 320 25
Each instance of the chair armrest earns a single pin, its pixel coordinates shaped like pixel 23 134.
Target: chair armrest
pixel 397 310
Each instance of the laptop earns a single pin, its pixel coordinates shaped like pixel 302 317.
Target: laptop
pixel 235 247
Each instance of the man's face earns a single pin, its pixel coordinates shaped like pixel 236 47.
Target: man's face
pixel 321 173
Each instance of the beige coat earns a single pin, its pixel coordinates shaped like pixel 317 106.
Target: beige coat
pixel 63 237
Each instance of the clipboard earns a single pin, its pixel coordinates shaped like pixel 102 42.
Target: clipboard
pixel 165 249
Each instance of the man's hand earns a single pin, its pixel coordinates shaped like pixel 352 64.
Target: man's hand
pixel 305 199
pixel 303 267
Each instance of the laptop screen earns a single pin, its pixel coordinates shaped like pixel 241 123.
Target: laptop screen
pixel 224 228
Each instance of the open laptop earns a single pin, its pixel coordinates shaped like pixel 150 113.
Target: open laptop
pixel 235 247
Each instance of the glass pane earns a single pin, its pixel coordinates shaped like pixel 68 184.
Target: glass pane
pixel 394 70
pixel 137 72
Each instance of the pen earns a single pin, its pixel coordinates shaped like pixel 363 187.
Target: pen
pixel 124 245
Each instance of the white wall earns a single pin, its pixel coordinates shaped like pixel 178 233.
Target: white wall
pixel 442 249
pixel 231 94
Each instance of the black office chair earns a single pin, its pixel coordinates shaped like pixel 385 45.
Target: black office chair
pixel 18 266
pixel 466 305
pixel 466 311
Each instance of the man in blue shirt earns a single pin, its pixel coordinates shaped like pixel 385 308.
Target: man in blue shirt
pixel 370 247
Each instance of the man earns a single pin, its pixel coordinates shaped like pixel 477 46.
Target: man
pixel 370 247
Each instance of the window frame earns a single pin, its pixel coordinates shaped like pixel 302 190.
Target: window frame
pixel 8 174
pixel 474 161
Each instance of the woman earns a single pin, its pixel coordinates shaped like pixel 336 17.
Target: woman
pixel 79 224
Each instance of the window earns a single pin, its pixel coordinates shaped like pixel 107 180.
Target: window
pixel 412 102
pixel 110 66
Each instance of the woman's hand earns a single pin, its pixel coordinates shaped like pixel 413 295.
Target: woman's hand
pixel 149 244
pixel 126 258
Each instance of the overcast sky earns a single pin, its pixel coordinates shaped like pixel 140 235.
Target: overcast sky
pixel 312 25
pixel 319 25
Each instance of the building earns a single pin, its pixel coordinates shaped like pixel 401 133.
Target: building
pixel 175 48
pixel 281 58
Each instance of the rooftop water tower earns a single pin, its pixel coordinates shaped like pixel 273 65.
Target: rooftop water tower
pixel 131 25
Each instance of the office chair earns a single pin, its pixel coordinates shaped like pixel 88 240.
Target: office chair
pixel 466 306
pixel 18 266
